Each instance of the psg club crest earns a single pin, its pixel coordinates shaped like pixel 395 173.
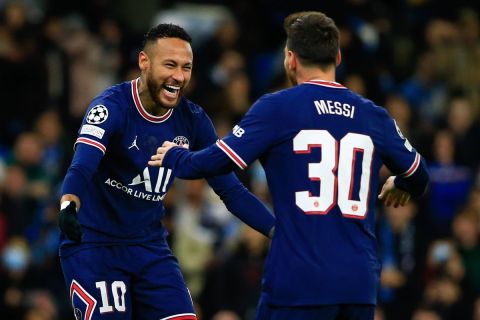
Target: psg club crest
pixel 97 114
pixel 180 141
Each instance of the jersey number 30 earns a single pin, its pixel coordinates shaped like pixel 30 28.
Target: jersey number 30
pixel 340 184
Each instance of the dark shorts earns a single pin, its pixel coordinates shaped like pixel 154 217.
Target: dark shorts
pixel 126 282
pixel 326 312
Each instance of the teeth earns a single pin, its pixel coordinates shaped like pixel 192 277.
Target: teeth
pixel 172 88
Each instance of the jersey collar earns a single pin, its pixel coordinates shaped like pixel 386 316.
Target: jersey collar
pixel 330 84
pixel 141 109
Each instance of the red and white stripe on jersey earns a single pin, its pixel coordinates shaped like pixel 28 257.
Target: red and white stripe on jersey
pixel 413 167
pixel 141 109
pixel 92 143
pixel 76 288
pixel 231 154
pixel 330 84
pixel 182 316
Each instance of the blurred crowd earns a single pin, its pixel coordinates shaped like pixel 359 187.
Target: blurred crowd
pixel 420 59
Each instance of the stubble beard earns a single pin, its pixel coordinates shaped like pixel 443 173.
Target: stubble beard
pixel 154 89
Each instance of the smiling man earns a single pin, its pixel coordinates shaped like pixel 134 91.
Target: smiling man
pixel 115 259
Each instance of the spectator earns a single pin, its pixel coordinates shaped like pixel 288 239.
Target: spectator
pixel 449 184
pixel 462 121
pixel 466 232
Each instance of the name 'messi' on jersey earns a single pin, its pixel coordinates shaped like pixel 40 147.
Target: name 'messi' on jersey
pixel 334 108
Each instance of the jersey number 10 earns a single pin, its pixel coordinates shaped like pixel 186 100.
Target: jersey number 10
pixel 335 188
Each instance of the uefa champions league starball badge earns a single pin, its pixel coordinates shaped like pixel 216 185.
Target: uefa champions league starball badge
pixel 97 114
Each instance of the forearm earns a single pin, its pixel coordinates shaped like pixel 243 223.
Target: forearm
pixel 193 165
pixel 416 184
pixel 251 211
pixel 210 163
pixel 242 203
pixel 81 170
pixel 74 184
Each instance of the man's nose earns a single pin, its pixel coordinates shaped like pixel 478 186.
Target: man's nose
pixel 178 75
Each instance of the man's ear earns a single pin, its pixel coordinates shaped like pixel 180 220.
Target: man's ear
pixel 338 59
pixel 143 60
pixel 291 60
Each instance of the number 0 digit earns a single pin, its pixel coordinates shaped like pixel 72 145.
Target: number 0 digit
pixel 324 171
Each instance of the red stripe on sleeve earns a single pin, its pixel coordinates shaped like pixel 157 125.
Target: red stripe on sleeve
pixel 93 143
pixel 231 154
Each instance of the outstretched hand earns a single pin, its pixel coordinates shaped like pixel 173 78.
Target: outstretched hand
pixel 391 195
pixel 157 159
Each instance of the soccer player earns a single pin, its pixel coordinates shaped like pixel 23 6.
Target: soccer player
pixel 322 147
pixel 115 259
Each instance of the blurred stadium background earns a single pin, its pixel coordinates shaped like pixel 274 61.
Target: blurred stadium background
pixel 420 59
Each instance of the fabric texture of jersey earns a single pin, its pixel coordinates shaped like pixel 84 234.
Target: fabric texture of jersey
pixel 122 201
pixel 321 146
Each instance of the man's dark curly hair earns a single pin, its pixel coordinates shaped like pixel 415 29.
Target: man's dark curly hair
pixel 165 30
pixel 313 36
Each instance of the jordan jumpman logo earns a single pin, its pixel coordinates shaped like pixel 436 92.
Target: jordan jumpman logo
pixel 134 144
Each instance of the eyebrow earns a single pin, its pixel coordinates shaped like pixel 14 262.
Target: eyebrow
pixel 176 62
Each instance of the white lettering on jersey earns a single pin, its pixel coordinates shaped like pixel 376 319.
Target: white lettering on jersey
pixel 334 108
pixel 144 178
pixel 237 131
pixel 92 130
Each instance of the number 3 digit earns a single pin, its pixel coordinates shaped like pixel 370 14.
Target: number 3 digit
pixel 350 145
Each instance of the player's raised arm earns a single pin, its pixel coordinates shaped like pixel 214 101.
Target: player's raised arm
pixel 211 162
pixel 216 166
pixel 243 145
pixel 187 164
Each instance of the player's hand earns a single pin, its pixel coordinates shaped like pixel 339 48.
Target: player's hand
pixel 157 159
pixel 391 195
pixel 68 222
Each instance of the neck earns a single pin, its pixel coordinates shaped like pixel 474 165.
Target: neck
pixel 147 101
pixel 314 73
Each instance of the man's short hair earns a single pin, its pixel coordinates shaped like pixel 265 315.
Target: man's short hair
pixel 165 30
pixel 313 36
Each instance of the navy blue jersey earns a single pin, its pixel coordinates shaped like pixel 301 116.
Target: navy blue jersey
pixel 121 196
pixel 322 147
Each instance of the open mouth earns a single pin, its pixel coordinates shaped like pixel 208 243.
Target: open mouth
pixel 171 91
